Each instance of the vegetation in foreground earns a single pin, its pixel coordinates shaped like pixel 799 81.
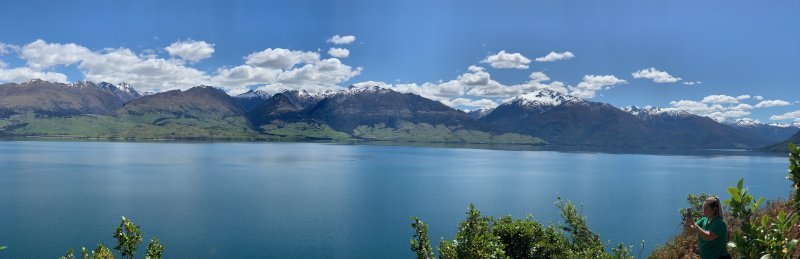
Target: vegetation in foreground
pixel 128 240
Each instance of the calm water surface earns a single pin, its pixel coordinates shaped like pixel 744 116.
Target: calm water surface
pixel 243 200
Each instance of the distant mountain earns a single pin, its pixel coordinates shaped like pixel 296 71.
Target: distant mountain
pixel 199 101
pixel 479 113
pixel 568 120
pixel 770 133
pixel 57 99
pixel 252 99
pixel 284 106
pixel 679 128
pixel 783 145
pixel 348 109
pixel 122 91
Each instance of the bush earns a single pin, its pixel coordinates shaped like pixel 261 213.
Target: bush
pixel 128 240
pixel 487 237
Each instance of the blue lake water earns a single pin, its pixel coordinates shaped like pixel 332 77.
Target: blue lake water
pixel 259 200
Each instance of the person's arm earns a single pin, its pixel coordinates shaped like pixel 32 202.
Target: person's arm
pixel 705 235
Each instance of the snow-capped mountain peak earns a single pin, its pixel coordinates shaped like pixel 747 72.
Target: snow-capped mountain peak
pixel 364 89
pixel 652 111
pixel 545 97
pixel 746 122
pixel 254 94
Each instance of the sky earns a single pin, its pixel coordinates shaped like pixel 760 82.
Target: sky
pixel 727 60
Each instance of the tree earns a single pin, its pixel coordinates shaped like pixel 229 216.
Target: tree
pixel 128 240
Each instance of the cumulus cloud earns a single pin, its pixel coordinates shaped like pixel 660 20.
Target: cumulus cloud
pixel 594 83
pixel 270 69
pixel 786 116
pixel 280 58
pixel 772 103
pixel 507 60
pixel 7 48
pixel 190 50
pixel 339 52
pixel 655 75
pixel 553 56
pixel 758 97
pixel 718 98
pixel 347 39
pixel 478 104
pixel 22 74
pixel 40 54
pixel 724 108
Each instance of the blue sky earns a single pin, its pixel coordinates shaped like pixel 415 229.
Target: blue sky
pixel 722 59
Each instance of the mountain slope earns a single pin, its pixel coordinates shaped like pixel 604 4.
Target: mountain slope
pixel 567 120
pixel 57 99
pixel 681 129
pixel 199 101
pixel 783 145
pixel 770 133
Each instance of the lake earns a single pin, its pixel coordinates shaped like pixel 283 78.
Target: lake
pixel 267 200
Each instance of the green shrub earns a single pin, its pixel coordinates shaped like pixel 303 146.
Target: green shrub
pixel 487 237
pixel 128 240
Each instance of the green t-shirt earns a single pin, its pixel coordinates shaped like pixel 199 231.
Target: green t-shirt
pixel 713 249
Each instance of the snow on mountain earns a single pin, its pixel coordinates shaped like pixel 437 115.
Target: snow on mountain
pixel 254 94
pixel 545 97
pixel 649 111
pixel 795 124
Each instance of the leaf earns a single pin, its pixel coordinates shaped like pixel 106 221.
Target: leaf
pixel 791 244
pixel 3 247
pixel 759 201
pixel 733 191
pixel 741 182
pixel 766 256
pixel 792 146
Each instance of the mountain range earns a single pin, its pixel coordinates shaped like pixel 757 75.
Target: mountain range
pixel 104 110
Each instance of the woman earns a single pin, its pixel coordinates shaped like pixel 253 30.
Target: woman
pixel 712 232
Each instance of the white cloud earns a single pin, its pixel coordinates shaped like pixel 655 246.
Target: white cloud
pixel 40 54
pixel 724 108
pixel 718 98
pixel 655 75
pixel 594 83
pixel 758 97
pixel 772 103
pixel 507 60
pixel 553 56
pixel 479 104
pixel 123 65
pixel 271 69
pixel 280 58
pixel 22 74
pixel 190 50
pixel 692 82
pixel 789 115
pixel 347 39
pixel 7 48
pixel 539 77
pixel 339 52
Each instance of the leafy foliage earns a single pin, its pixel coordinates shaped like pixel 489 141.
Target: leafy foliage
pixel 128 240
pixel 487 237
pixel 695 209
pixel 421 244
pixel 742 208
pixel 794 173
pixel 154 249
pixel 474 239
pixel 760 237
